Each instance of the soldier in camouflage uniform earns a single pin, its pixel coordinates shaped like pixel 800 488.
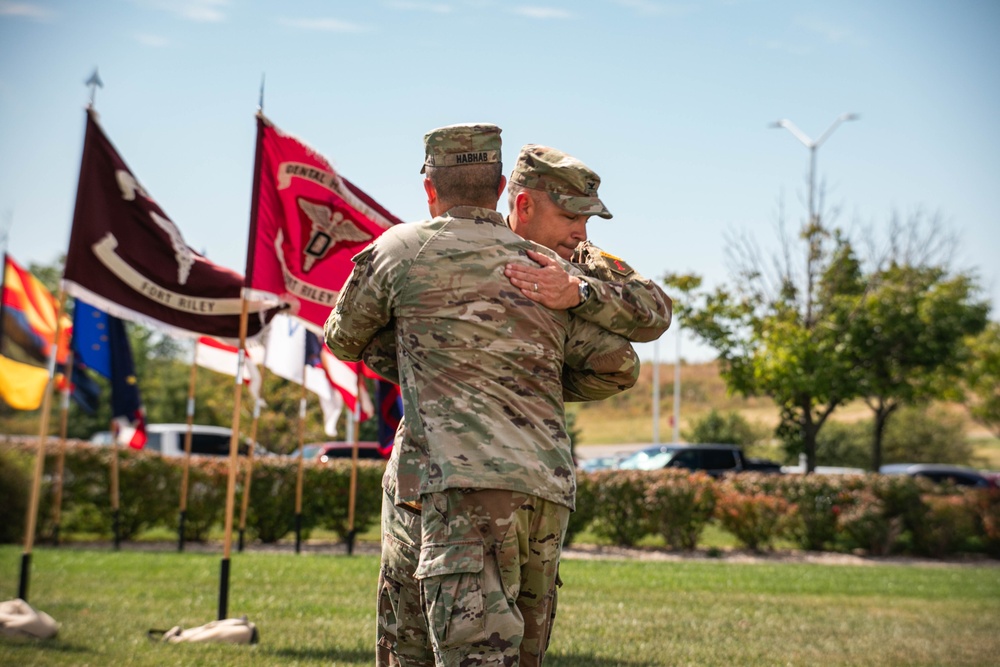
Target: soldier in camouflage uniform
pixel 543 186
pixel 621 301
pixel 487 458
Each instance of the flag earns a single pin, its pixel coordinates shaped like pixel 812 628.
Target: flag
pixel 307 223
pixel 27 336
pixel 344 376
pixel 22 386
pixel 220 357
pixel 29 317
pixel 390 413
pixel 83 388
pixel 290 354
pixel 129 259
pixel 101 344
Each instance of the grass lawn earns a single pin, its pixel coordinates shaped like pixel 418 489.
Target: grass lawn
pixel 318 609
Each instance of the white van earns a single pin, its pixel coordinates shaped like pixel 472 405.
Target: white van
pixel 168 440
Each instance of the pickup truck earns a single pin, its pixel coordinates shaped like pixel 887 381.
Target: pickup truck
pixel 714 459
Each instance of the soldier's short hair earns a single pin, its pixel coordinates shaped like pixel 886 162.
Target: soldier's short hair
pixel 470 184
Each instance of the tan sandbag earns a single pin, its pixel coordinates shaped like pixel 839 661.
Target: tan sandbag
pixel 226 631
pixel 19 619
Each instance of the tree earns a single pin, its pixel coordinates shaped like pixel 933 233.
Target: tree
pixel 779 333
pixel 906 336
pixel 724 428
pixel 983 378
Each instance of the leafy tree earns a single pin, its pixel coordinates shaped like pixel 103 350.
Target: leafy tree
pixel 983 378
pixel 724 428
pixel 906 335
pixel 915 434
pixel 780 333
pixel 920 435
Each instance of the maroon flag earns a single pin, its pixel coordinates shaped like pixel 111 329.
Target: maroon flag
pixel 127 258
pixel 307 223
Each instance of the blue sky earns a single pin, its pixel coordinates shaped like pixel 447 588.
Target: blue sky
pixel 669 102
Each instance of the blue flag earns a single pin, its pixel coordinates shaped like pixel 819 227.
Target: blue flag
pixel 101 345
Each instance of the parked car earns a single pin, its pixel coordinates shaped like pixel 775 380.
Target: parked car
pixel 943 474
pixel 596 463
pixel 714 459
pixel 324 451
pixel 168 440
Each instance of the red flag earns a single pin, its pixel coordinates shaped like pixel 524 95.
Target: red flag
pixel 29 316
pixel 307 223
pixel 127 257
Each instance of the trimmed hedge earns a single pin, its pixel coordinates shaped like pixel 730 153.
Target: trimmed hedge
pixel 149 493
pixel 873 514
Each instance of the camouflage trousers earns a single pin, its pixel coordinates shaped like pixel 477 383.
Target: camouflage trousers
pixel 471 580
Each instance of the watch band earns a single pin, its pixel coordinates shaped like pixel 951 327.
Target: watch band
pixel 584 287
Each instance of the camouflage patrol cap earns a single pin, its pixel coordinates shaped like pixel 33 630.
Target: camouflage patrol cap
pixel 459 145
pixel 571 184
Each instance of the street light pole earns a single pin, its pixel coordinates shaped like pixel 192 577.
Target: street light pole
pixel 813 146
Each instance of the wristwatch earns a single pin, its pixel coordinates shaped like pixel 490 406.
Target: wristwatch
pixel 584 287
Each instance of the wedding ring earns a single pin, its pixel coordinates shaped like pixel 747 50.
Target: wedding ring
pixel 536 287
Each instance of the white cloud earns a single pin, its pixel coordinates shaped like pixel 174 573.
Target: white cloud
pixel 324 25
pixel 652 8
pixel 406 5
pixel 27 10
pixel 833 34
pixel 154 41
pixel 199 11
pixel 778 45
pixel 542 13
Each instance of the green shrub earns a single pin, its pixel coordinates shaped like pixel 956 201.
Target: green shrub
pixel 680 505
pixel 206 502
pixel 586 507
pixel 848 445
pixel 149 492
pixel 919 435
pixel 949 526
pixel 755 518
pixel 330 484
pixel 985 505
pixel 725 428
pixel 271 513
pixel 817 503
pixel 620 514
pixel 15 481
pixel 865 524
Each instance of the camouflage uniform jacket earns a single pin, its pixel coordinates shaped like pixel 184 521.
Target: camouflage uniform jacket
pixel 480 365
pixel 621 300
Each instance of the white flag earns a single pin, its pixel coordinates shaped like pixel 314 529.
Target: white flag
pixel 217 356
pixel 285 356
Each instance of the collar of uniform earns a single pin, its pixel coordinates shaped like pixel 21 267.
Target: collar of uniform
pixel 476 213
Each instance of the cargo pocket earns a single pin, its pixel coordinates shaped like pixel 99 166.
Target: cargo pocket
pixel 398 563
pixel 451 592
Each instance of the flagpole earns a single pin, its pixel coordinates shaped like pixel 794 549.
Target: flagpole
pixel 352 498
pixel 36 485
pixel 238 384
pixel 61 459
pixel 234 439
pixel 115 511
pixel 186 468
pixel 248 479
pixel 298 478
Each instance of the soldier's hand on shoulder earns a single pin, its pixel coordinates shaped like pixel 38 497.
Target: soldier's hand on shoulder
pixel 548 283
